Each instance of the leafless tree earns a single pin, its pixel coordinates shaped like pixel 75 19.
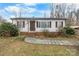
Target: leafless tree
pixel 58 10
pixel 77 15
pixel 65 11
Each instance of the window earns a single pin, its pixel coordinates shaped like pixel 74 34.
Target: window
pixel 23 24
pixel 43 24
pixel 61 24
pixel 56 24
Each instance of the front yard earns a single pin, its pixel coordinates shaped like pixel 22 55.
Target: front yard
pixel 15 46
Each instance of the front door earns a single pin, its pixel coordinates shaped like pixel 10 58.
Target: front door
pixel 32 25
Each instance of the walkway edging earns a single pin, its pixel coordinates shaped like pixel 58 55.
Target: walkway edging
pixel 53 41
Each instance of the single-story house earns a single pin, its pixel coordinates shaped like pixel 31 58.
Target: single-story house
pixel 39 24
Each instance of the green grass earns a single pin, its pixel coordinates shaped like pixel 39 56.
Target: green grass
pixel 15 46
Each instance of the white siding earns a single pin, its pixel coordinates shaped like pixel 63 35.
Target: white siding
pixel 26 28
pixel 53 25
pixel 52 29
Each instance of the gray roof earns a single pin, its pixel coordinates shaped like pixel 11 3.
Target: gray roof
pixel 38 18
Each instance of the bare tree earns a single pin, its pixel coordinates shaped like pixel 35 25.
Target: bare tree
pixel 77 15
pixel 65 11
pixel 58 10
pixel 71 14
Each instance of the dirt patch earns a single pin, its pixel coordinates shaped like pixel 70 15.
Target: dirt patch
pixel 16 44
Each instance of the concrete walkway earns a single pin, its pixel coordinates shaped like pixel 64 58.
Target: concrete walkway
pixel 52 41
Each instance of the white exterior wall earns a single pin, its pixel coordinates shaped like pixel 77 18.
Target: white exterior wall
pixel 27 25
pixel 26 29
pixel 53 25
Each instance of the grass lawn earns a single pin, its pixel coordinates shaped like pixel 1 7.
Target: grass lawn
pixel 15 46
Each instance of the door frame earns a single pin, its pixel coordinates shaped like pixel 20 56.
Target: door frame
pixel 34 26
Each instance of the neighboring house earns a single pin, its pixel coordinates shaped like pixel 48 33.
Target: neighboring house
pixel 39 24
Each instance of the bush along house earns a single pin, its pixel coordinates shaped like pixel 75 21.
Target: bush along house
pixel 38 25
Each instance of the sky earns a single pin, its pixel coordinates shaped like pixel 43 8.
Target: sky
pixel 9 10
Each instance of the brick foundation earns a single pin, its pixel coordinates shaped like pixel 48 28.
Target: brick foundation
pixel 52 34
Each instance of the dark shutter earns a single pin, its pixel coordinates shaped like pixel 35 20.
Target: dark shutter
pixel 37 24
pixel 61 24
pixel 50 24
pixel 23 24
pixel 56 24
pixel 18 24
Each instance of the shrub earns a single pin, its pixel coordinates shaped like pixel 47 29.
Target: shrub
pixel 68 31
pixel 14 31
pixel 8 29
pixel 46 33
